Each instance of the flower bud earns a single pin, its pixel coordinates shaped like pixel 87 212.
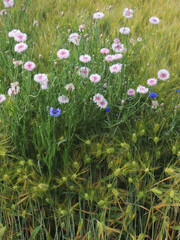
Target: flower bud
pixel 134 138
pixel 156 139
pixel 156 128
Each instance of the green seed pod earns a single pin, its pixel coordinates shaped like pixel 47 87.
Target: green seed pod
pixel 86 196
pixel 156 128
pixel 134 138
pixel 76 165
pixel 156 139
pixel 110 150
pixel 142 132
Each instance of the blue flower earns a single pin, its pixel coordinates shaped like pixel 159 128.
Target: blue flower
pixel 178 90
pixel 54 112
pixel 152 95
pixel 107 109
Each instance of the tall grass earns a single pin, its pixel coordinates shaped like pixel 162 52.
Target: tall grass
pixel 90 174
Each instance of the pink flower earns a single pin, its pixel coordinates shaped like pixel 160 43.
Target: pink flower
pixel 95 78
pixel 85 58
pixel 8 3
pixel 63 99
pixel 15 89
pixel 124 30
pixel 12 33
pixel 74 38
pixel 84 71
pixel 128 13
pixel 115 68
pixel 142 89
pixel 109 58
pixel 20 37
pixel 118 47
pixel 98 15
pixel 17 63
pixel 116 40
pixel 20 47
pixel 155 104
pixel 102 103
pixel 29 66
pixel 70 87
pixel 104 51
pixel 131 92
pixel 2 98
pixel 154 20
pixel 40 78
pixel 63 54
pixel 81 27
pixel 97 98
pixel 163 74
pixel 118 56
pixel 151 82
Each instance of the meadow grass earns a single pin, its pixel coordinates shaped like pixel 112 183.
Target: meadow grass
pixel 90 174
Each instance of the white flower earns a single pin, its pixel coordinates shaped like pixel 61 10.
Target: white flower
pixel 97 98
pixel 115 68
pixel 63 54
pixel 124 30
pixel 85 58
pixel 98 15
pixel 95 78
pixel 63 99
pixel 15 89
pixel 128 13
pixel 20 47
pixel 70 87
pixel 84 71
pixel 163 74
pixel 142 89
pixel 8 3
pixel 154 20
pixel 12 33
pixel 139 39
pixel 81 27
pixel 17 63
pixel 74 38
pixel 118 47
pixel 20 37
pixel 2 98
pixel 102 103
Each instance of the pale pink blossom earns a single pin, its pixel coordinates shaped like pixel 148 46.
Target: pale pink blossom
pixel 42 79
pixel 95 78
pixel 128 13
pixel 118 56
pixel 139 39
pixel 74 38
pixel 8 3
pixel 29 66
pixel 109 58
pixel 97 98
pixel 124 30
pixel 20 37
pixel 151 82
pixel 12 33
pixel 154 20
pixel 104 51
pixel 115 68
pixel 17 63
pixel 116 40
pixel 98 15
pixel 142 89
pixel 36 23
pixel 20 47
pixel 163 74
pixel 84 71
pixel 131 92
pixel 85 58
pixel 63 99
pixel 155 104
pixel 81 27
pixel 2 98
pixel 69 87
pixel 63 54
pixel 15 89
pixel 118 47
pixel 102 103
pixel 3 12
